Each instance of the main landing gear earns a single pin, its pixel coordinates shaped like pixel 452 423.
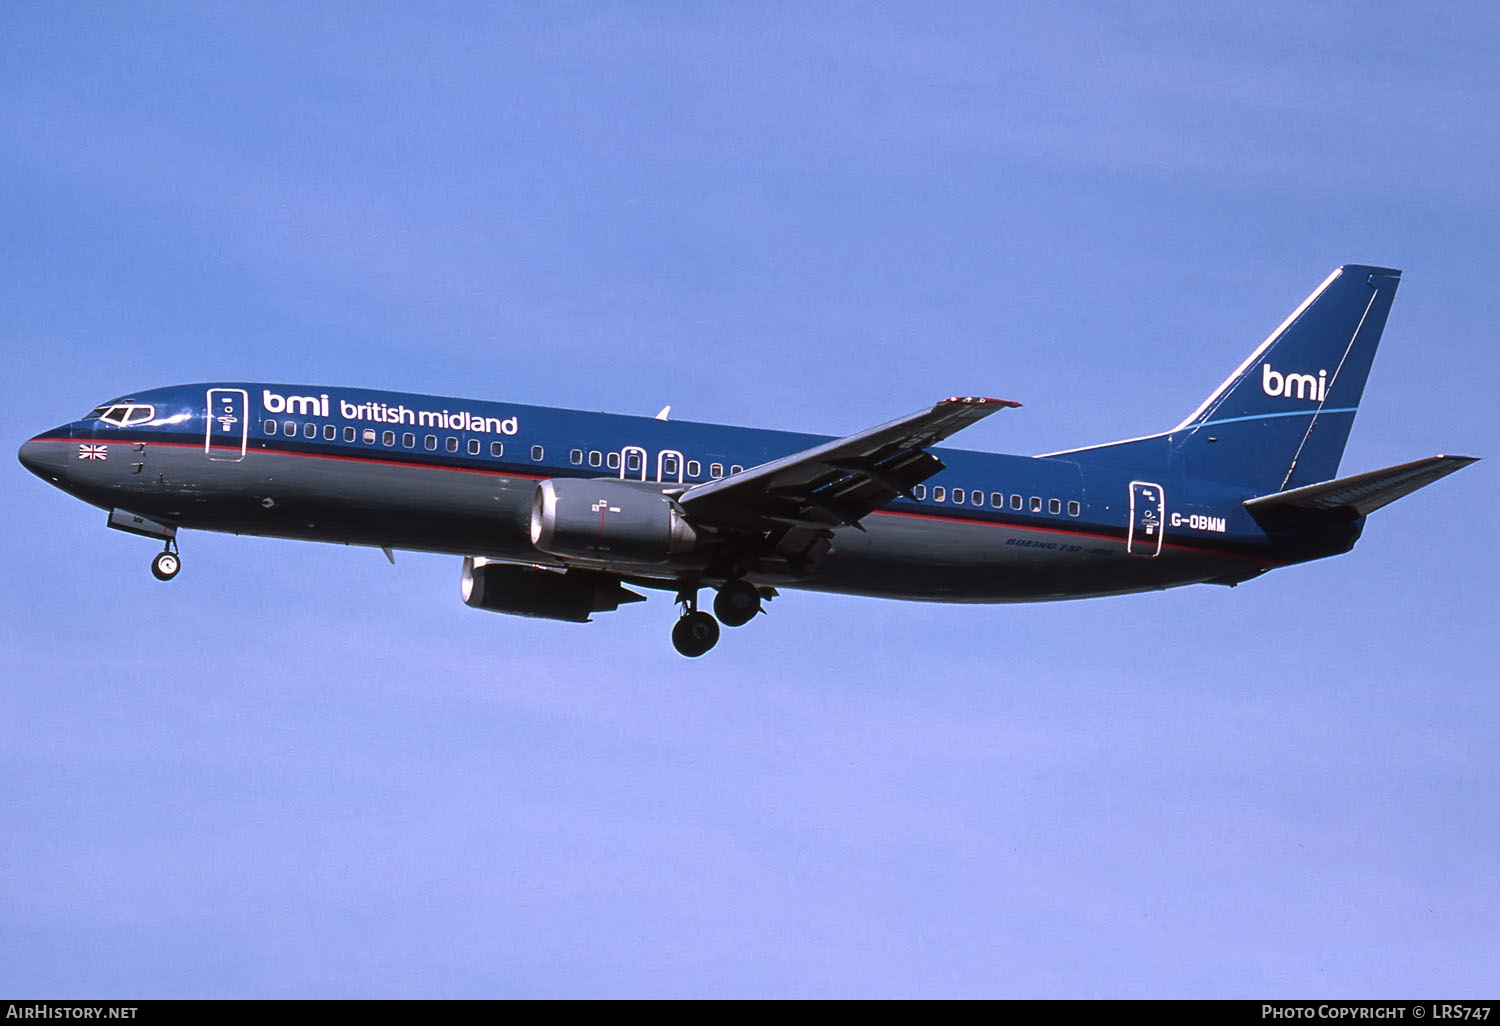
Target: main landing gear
pixel 167 562
pixel 696 631
pixel 737 603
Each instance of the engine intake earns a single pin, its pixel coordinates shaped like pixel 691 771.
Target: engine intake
pixel 545 594
pixel 613 520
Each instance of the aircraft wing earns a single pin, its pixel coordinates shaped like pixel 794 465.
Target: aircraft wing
pixel 1363 493
pixel 835 484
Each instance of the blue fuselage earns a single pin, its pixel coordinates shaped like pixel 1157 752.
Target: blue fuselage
pixel 461 476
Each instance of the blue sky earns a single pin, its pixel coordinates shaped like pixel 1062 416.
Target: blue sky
pixel 299 771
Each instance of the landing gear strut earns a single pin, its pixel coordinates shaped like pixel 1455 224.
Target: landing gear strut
pixel 166 564
pixel 737 603
pixel 695 631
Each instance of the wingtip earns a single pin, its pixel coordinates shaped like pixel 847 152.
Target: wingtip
pixel 979 400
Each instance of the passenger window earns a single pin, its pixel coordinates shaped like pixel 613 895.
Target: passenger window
pixel 716 470
pixel 575 456
pixel 348 434
pixel 958 496
pixel 1054 506
pixel 536 453
pixel 613 461
pixel 497 449
pixel 310 430
pixel 669 466
pixel 330 433
pixel 369 436
pixel 388 438
pixel 595 457
pixel 920 491
pixel 270 427
pixel 1074 509
pixel 431 442
pixel 1036 504
pixel 736 469
pixel 997 500
pixel 633 462
pixel 1015 502
pixel 695 469
pixel 473 447
pixel 451 444
pixel 408 440
pixel 939 493
pixel 289 428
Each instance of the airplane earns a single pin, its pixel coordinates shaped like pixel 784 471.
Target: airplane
pixel 560 513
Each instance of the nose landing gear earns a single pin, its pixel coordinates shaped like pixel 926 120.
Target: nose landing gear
pixel 167 562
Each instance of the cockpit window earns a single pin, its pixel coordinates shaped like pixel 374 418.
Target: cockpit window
pixel 125 414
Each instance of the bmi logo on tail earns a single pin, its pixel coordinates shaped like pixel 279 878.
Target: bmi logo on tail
pixel 1293 386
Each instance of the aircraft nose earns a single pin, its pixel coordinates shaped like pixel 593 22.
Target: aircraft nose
pixel 31 455
pixel 44 458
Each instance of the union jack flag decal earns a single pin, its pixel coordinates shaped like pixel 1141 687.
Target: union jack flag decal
pixel 93 452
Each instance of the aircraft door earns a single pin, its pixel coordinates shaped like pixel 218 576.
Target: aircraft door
pixel 1148 517
pixel 227 414
pixel 632 463
pixel 669 466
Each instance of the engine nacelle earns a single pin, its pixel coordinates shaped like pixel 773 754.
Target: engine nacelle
pixel 608 520
pixel 546 594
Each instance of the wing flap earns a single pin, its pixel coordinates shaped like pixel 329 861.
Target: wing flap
pixel 839 482
pixel 1363 493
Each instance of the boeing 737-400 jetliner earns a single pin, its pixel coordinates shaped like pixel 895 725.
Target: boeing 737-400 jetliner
pixel 559 513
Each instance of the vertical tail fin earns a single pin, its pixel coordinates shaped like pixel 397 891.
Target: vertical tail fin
pixel 1281 420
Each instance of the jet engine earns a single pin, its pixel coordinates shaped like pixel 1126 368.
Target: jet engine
pixel 608 520
pixel 546 594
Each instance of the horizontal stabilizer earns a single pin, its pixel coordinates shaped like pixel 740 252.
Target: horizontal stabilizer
pixel 1363 493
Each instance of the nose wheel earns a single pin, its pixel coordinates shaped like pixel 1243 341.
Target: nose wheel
pixel 166 564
